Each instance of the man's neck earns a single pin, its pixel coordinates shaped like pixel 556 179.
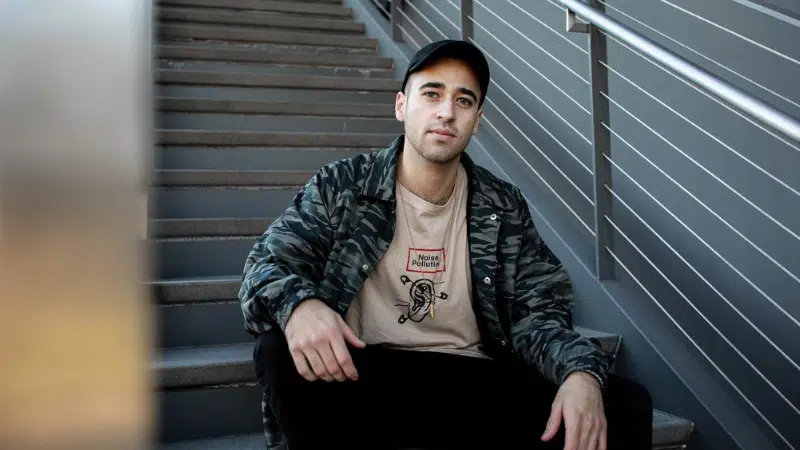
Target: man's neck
pixel 432 182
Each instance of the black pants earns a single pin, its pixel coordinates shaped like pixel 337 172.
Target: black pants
pixel 410 399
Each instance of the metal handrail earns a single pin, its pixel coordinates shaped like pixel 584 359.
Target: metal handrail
pixel 767 114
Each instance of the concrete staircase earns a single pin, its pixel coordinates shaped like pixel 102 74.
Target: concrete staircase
pixel 253 96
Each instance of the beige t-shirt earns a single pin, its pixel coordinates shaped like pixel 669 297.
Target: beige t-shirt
pixel 419 295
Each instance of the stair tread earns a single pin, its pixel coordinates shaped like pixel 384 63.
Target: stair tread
pixel 232 53
pixel 257 79
pixel 224 16
pixel 272 138
pixel 205 105
pixel 326 9
pixel 264 35
pixel 210 358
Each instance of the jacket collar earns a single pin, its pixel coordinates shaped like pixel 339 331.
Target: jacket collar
pixel 381 177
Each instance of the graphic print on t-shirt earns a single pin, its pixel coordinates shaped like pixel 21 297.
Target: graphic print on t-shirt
pixel 422 292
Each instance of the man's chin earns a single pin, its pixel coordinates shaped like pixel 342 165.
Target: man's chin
pixel 441 156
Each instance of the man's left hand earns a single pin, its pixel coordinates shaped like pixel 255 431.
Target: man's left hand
pixel 579 402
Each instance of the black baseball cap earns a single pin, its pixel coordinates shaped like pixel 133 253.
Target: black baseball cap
pixel 449 48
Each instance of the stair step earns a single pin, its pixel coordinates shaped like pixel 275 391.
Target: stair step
pixel 196 289
pixel 231 177
pixel 254 158
pixel 609 341
pixel 197 105
pixel 171 228
pixel 228 202
pixel 197 413
pixel 331 8
pixel 216 16
pixel 669 429
pixel 273 139
pixel 255 441
pixel 200 324
pixel 265 35
pixel 201 257
pixel 202 366
pixel 277 122
pixel 250 55
pixel 255 79
pixel 274 69
pixel 306 95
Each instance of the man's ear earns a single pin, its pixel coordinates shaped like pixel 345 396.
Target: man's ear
pixel 477 121
pixel 400 106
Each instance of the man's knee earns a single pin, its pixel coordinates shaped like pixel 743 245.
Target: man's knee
pixel 633 395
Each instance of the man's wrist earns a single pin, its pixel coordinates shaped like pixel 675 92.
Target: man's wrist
pixel 588 376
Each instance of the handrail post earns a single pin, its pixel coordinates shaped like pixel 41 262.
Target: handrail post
pixel 465 20
pixel 394 15
pixel 601 142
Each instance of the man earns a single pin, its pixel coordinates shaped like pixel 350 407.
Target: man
pixel 405 299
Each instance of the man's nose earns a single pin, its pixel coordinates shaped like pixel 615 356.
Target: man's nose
pixel 445 111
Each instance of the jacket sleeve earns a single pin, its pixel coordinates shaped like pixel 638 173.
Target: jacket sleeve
pixel 541 322
pixel 286 263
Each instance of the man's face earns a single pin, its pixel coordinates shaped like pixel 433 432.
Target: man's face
pixel 440 110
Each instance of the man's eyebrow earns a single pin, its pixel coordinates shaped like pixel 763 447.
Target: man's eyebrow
pixel 440 85
pixel 432 84
pixel 469 92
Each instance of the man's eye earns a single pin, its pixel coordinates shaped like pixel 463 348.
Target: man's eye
pixel 465 102
pixel 429 94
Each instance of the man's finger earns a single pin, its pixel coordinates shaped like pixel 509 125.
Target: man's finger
pixel 302 366
pixel 344 358
pixel 592 434
pixel 572 432
pixel 330 362
pixel 602 440
pixel 350 335
pixel 553 422
pixel 316 363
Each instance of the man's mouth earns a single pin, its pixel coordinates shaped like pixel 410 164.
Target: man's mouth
pixel 442 133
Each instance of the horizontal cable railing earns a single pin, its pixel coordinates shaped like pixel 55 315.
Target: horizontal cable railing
pixel 589 18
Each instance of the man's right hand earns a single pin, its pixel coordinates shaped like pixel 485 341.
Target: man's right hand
pixel 317 338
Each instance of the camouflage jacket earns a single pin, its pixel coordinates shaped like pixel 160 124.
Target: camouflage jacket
pixel 341 223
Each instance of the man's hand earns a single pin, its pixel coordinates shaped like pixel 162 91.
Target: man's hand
pixel 579 402
pixel 316 335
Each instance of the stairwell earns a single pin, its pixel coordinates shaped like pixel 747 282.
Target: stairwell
pixel 252 97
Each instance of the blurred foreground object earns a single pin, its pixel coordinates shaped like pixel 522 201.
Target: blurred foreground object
pixel 75 124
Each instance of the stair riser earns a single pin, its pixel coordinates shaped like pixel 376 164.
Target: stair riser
pixel 267 47
pixel 202 324
pixel 275 69
pixel 201 258
pixel 242 122
pixel 209 412
pixel 332 9
pixel 205 158
pixel 221 17
pixel 257 35
pixel 273 94
pixel 217 202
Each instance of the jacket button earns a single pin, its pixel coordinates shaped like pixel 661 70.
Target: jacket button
pixel 503 343
pixel 493 217
pixel 487 280
pixel 365 267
